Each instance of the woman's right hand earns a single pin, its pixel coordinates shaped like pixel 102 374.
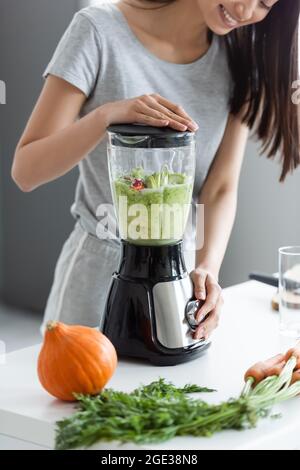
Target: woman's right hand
pixel 151 110
pixel 55 140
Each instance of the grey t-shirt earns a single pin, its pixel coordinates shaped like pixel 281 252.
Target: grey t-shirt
pixel 100 55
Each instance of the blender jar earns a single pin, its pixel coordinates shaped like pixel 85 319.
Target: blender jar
pixel 152 177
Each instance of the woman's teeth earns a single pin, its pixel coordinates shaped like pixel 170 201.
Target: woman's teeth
pixel 228 17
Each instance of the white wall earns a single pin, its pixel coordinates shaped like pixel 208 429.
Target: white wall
pixel 33 226
pixel 268 217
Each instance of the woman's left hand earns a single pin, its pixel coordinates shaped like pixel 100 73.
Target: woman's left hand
pixel 207 289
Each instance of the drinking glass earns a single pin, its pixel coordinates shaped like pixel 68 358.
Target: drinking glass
pixel 289 291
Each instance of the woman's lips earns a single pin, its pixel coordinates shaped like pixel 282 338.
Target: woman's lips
pixel 227 19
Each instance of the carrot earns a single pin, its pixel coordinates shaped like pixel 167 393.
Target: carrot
pixel 296 376
pixel 273 361
pixel 263 369
pixel 294 352
pixel 256 372
pixel 277 369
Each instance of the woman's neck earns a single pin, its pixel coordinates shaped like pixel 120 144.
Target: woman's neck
pixel 177 25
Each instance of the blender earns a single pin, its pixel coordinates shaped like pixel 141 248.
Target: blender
pixel 150 309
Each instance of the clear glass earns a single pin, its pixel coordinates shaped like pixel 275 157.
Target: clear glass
pixel 152 190
pixel 289 291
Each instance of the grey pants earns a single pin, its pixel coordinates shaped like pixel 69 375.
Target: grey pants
pixel 82 278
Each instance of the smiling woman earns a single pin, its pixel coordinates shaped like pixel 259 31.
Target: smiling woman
pixel 261 40
pixel 220 67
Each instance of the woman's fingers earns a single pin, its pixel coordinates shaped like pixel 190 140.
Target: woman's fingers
pixel 177 109
pixel 182 123
pixel 151 121
pixel 146 110
pixel 213 293
pixel 152 110
pixel 211 323
pixel 185 121
pixel 199 278
pixel 148 115
pixel 207 289
pixel 177 117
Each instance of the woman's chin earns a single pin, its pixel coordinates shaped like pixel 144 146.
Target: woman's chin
pixel 218 29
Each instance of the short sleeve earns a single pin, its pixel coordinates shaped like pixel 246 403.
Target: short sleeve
pixel 77 58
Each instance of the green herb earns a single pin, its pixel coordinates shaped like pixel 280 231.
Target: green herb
pixel 165 175
pixel 160 411
pixel 156 180
pixel 153 181
pixel 138 173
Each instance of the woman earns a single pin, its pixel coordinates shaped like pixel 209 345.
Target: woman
pixel 179 63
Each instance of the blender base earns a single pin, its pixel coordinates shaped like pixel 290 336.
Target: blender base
pixel 130 320
pixel 165 360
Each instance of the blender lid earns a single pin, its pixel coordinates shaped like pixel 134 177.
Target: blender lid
pixel 140 136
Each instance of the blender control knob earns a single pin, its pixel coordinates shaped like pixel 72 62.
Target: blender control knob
pixel 191 309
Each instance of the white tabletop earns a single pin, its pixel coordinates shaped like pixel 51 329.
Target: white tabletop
pixel 248 332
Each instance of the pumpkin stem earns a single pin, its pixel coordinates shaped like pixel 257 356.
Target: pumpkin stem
pixel 51 325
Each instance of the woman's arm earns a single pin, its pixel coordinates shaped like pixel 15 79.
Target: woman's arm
pixel 54 141
pixel 219 196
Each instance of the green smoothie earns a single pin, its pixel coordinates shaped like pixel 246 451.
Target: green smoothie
pixel 152 209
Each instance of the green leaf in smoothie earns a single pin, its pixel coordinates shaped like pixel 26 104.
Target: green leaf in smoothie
pixel 153 181
pixel 138 173
pixel 177 178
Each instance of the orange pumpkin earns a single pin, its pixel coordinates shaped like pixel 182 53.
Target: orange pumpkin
pixel 75 359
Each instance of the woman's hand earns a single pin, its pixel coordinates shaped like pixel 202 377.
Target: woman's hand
pixel 207 289
pixel 151 110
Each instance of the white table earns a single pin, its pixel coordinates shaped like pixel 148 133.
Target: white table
pixel 248 333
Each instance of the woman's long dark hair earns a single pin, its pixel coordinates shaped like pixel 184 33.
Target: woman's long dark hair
pixel 263 60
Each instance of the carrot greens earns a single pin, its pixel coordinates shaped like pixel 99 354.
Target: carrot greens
pixel 160 411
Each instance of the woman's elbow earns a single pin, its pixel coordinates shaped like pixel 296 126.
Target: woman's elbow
pixel 217 193
pixel 19 177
